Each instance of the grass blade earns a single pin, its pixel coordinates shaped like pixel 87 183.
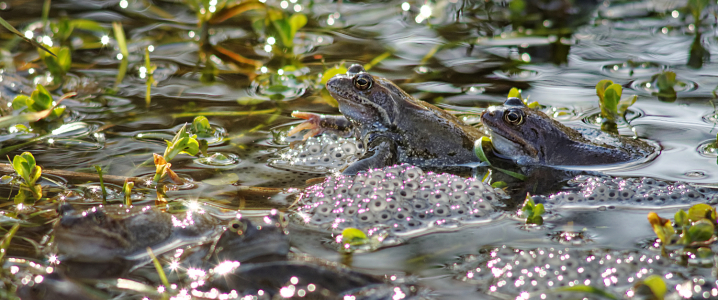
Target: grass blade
pixel 13 30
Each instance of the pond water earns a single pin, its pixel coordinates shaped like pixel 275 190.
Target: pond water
pixel 247 66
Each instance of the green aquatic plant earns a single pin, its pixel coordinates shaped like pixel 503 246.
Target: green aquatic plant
pixel 127 191
pixel 516 93
pixel 182 142
pixel 665 82
pixel 57 65
pixel 485 142
pixel 39 101
pixel 25 166
pixel 532 211
pixel 122 44
pixel 22 36
pixel 161 274
pixel 613 108
pixel 102 184
pixel 64 28
pixel 146 73
pixel 354 237
pixel 695 228
pixel 201 127
pixel 653 287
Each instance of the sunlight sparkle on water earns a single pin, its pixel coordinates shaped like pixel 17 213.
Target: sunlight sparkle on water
pixel 124 3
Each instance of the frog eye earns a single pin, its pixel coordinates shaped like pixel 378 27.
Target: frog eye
pixel 362 81
pixel 513 117
pixel 237 226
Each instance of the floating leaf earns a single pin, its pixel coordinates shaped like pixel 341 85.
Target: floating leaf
pixel 586 289
pixel 657 286
pixel 662 227
pixel 681 218
pixel 701 231
pixel 354 237
pixel 701 211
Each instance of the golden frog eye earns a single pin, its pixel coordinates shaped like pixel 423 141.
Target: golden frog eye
pixel 362 81
pixel 513 117
pixel 237 226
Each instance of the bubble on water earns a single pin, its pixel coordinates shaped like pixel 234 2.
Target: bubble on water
pixel 402 199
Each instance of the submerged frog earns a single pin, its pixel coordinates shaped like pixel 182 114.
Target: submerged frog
pixel 530 137
pixel 393 126
pixel 106 233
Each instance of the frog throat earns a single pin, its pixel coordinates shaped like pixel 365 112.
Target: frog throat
pixel 507 143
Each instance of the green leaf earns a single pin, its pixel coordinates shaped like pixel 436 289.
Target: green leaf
pixel 701 231
pixel 657 286
pixel 120 38
pixel 701 211
pixel 662 227
pixel 201 126
pixel 31 41
pixel 41 98
pixel 88 25
pixel 21 101
pixel 354 236
pixel 479 149
pixel 297 21
pixel 601 88
pixel 586 289
pixel 514 93
pixel 499 185
pixel 64 59
pixel 330 73
pixel 625 103
pixel 666 81
pixel 681 218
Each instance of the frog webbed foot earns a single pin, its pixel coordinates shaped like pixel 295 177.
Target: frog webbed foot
pixel 318 124
pixel 380 155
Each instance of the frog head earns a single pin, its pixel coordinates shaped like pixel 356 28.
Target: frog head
pixel 368 100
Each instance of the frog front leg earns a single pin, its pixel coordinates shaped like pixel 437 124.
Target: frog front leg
pixel 381 152
pixel 318 124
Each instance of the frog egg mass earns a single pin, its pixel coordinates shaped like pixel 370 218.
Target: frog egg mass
pixel 583 191
pixel 509 273
pixel 319 154
pixel 401 199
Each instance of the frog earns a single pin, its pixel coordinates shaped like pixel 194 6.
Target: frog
pixel 107 233
pixel 393 126
pixel 530 137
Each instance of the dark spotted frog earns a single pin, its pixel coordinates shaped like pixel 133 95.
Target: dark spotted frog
pixel 106 233
pixel 530 137
pixel 393 126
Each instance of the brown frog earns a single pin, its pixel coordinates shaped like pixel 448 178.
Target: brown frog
pixel 530 137
pixel 105 233
pixel 393 126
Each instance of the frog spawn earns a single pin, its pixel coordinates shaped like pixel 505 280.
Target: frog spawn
pixel 592 191
pixel 319 154
pixel 400 200
pixel 539 273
